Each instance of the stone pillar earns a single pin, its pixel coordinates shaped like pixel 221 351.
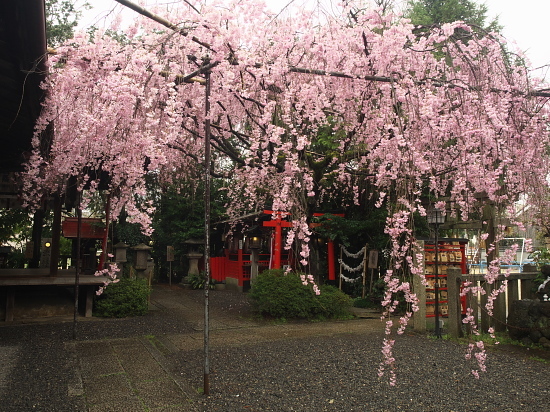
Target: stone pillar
pixel 473 302
pixel 486 321
pixel 142 257
pixel 527 289
pixel 454 280
pixel 499 310
pixel 194 258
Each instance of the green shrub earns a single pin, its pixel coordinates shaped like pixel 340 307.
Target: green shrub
pixel 368 302
pixel 129 297
pixel 332 302
pixel 197 281
pixel 285 296
pixel 361 303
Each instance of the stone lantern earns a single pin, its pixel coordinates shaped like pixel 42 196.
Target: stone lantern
pixel 194 256
pixel 254 244
pixel 142 257
pixel 120 252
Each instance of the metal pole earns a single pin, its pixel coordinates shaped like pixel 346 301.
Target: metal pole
pixel 206 385
pixel 437 329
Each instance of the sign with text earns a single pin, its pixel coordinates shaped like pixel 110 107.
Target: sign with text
pixel 373 259
pixel 169 253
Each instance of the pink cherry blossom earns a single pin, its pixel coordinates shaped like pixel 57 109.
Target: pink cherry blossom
pixel 404 120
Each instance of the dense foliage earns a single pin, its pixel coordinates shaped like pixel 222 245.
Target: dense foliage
pixel 128 297
pixel 179 217
pixel 281 295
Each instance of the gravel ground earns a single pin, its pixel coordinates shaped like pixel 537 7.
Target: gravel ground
pixel 336 373
pixel 340 374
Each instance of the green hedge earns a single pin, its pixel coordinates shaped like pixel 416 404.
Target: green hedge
pixel 285 296
pixel 129 297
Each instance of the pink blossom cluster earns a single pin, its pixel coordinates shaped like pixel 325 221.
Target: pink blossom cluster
pixel 310 280
pixel 110 274
pixel 477 352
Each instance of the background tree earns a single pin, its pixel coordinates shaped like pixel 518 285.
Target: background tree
pixel 15 227
pixel 61 19
pixel 179 217
pixel 436 12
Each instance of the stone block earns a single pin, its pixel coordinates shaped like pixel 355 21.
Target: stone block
pixel 232 284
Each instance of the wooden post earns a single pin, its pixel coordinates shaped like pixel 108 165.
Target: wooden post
pixel 489 215
pixel 513 290
pixel 365 265
pixel 340 275
pixel 38 222
pixel 330 260
pixel 373 265
pixel 253 265
pixel 78 262
pixel 240 263
pixel 454 279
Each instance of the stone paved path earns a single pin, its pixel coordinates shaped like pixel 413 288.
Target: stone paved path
pixel 134 374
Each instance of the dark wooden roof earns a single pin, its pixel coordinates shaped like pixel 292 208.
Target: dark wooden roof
pixel 22 54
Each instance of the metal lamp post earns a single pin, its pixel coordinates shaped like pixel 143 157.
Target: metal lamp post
pixel 436 217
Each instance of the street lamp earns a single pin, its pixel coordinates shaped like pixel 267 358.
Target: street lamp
pixel 436 217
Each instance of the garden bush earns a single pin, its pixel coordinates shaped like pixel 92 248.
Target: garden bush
pixel 129 297
pixel 332 303
pixel 197 281
pixel 285 296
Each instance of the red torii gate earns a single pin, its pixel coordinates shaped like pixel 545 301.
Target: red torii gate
pixel 278 223
pixel 330 247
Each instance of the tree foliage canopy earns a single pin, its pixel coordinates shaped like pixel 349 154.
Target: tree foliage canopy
pixel 61 19
pixel 437 12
